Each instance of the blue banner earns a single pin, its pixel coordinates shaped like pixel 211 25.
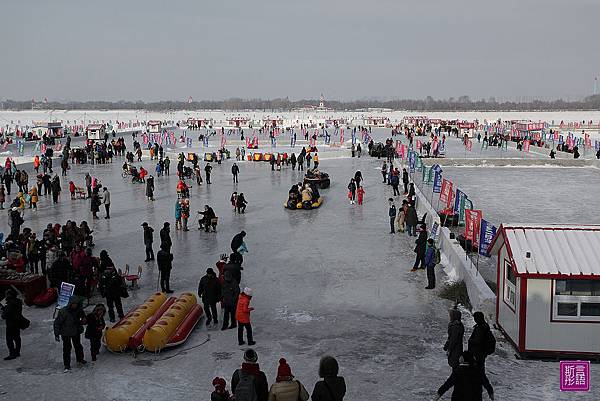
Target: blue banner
pixel 561 140
pixel 411 161
pixel 458 199
pixel 486 234
pixel 434 231
pixel 437 182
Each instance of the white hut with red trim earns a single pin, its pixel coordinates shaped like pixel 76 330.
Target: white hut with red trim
pixel 548 288
pixel 154 126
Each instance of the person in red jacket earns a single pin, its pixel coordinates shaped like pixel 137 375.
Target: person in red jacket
pixel 72 189
pixel 242 315
pixel 360 192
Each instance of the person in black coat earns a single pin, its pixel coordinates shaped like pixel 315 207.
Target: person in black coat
pixel 466 380
pixel 209 289
pixel 60 270
pixel 12 313
pixel 332 387
pixel 148 240
pixel 15 222
pixel 95 204
pixel 392 215
pixel 241 203
pixel 234 267
pixel 420 247
pixel 95 327
pixel 235 170
pixel 411 220
pixel 411 193
pixel 68 327
pixel 111 287
pixel 454 344
pixel 478 347
pixel 231 293
pixel 165 237
pixel 164 260
pixel 237 241
pixel 395 180
pixel 250 367
pixel 405 180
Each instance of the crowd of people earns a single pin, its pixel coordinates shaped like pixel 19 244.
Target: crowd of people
pixel 65 254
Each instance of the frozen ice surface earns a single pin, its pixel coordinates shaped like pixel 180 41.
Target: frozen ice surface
pixel 327 281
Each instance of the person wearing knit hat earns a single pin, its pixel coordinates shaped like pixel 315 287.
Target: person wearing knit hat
pixel 242 315
pixel 286 388
pixel 245 387
pixel 220 393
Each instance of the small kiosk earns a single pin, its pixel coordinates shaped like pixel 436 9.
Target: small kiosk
pixel 154 126
pixel 95 132
pixel 527 130
pixel 376 121
pixel 548 288
pixel 272 122
pixel 238 122
pixel 466 128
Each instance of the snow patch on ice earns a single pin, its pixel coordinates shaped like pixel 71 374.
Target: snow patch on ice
pixel 299 317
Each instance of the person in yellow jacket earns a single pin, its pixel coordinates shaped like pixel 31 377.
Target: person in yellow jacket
pixel 21 199
pixel 286 388
pixel 316 161
pixel 33 197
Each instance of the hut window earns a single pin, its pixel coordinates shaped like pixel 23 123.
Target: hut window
pixel 510 285
pixel 576 300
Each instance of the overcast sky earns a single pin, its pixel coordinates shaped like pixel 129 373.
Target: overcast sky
pixel 345 49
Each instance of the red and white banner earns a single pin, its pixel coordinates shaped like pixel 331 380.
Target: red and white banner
pixel 446 192
pixel 526 146
pixel 419 144
pixel 469 145
pixel 472 225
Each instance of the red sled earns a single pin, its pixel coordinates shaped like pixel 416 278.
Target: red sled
pixel 47 298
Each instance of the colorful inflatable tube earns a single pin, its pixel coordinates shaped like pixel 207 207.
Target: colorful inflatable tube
pixel 175 324
pixel 117 337
pixel 156 324
pixel 299 205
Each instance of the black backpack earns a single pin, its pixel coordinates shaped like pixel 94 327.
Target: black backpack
pixel 490 342
pixel 246 388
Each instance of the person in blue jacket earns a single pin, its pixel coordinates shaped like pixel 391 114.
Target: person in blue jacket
pixel 430 264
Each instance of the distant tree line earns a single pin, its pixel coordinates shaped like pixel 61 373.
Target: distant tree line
pixel 463 103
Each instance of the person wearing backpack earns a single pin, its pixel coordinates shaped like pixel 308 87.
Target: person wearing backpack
pixel 285 387
pixel 332 387
pixel 250 383
pixel 430 262
pixel 481 344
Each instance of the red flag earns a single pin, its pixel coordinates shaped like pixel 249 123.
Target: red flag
pixel 472 225
pixel 446 192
